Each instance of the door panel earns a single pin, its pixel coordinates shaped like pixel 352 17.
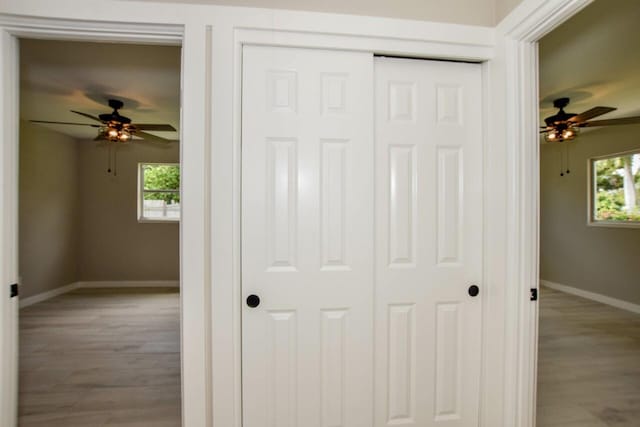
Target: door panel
pixel 428 242
pixel 336 332
pixel 307 237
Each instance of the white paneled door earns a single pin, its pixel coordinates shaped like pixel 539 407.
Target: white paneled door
pixel 307 238
pixel 428 242
pixel 359 253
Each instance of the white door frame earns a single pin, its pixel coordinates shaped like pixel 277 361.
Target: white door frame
pixel 518 36
pixel 439 45
pixel 192 328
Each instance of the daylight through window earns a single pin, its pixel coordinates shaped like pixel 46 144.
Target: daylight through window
pixel 616 188
pixel 159 193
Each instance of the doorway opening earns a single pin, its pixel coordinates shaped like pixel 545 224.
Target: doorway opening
pixel 99 213
pixel 589 331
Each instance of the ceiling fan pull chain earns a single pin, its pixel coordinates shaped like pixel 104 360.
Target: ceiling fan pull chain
pixel 115 161
pixel 568 157
pixel 108 157
pixel 561 162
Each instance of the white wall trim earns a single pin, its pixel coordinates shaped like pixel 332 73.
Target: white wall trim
pixel 604 299
pixel 129 284
pixel 43 296
pixel 9 161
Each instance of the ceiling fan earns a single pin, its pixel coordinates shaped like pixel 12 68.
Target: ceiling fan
pixel 117 128
pixel 564 126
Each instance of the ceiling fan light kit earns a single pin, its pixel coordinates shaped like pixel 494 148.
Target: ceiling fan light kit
pixel 562 133
pixel 113 134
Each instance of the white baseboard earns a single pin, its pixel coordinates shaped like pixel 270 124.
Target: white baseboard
pixel 129 284
pixel 34 299
pixel 618 303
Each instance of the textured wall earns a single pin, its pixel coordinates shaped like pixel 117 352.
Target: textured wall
pixel 113 244
pixel 597 259
pixel 48 204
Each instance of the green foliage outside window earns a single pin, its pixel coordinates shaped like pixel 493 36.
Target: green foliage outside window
pixel 617 192
pixel 162 178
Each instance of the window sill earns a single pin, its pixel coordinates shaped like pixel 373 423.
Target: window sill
pixel 158 221
pixel 613 224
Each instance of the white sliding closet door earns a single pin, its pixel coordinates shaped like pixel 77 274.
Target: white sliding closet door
pixel 428 242
pixel 307 238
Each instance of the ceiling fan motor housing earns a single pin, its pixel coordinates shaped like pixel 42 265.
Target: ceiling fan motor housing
pixel 116 104
pixel 561 116
pixel 114 118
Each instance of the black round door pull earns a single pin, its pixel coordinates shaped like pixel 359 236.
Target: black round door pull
pixel 474 290
pixel 253 301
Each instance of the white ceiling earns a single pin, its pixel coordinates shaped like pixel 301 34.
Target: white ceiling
pixel 594 58
pixel 58 76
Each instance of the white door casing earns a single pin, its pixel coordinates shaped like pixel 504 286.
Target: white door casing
pixel 428 242
pixel 307 237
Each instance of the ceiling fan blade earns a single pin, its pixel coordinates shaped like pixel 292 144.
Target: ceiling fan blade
pixel 155 127
pixel 612 122
pixel 87 115
pixel 152 138
pixel 65 123
pixel 590 114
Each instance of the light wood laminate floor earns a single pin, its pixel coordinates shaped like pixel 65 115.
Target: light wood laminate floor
pixel 101 357
pixel 589 363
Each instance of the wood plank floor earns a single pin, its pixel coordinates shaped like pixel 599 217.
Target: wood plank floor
pixel 111 358
pixel 589 363
pixel 101 357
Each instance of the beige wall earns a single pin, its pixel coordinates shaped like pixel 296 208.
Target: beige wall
pixel 113 244
pixel 48 209
pixel 595 259
pixel 504 7
pixel 79 223
pixel 470 12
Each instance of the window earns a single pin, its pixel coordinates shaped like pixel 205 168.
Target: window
pixel 615 190
pixel 159 192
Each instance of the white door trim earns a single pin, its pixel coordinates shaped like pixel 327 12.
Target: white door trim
pixel 194 332
pixel 446 44
pixel 518 34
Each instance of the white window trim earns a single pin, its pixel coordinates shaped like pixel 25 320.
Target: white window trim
pixel 591 193
pixel 141 190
